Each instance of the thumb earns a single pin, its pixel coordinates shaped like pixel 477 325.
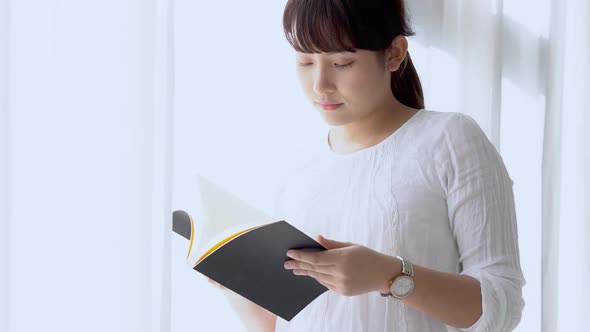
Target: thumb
pixel 332 244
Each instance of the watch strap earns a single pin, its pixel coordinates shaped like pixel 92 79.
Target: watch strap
pixel 407 269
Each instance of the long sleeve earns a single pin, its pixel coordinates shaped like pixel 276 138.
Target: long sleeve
pixel 482 217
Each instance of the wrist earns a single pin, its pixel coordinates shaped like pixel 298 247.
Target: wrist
pixel 388 267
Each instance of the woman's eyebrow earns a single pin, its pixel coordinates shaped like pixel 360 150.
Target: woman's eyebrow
pixel 327 55
pixel 342 52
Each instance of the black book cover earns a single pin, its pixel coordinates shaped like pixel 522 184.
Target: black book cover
pixel 251 263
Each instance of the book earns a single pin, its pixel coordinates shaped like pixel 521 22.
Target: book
pixel 250 262
pixel 220 211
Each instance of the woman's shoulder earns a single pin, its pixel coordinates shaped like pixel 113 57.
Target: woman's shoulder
pixel 447 121
pixel 443 140
pixel 437 129
pixel 462 142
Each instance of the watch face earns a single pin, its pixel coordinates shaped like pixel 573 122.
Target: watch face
pixel 402 286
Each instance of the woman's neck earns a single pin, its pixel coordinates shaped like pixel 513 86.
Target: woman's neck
pixel 369 130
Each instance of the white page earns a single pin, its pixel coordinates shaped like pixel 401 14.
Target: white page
pixel 221 214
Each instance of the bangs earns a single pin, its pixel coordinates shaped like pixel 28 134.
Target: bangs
pixel 316 26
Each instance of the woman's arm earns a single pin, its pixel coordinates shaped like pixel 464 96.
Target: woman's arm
pixel 482 219
pixel 254 317
pixel 450 298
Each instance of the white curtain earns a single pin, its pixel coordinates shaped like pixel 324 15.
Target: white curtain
pixel 522 70
pixel 5 171
pixel 566 165
pixel 85 165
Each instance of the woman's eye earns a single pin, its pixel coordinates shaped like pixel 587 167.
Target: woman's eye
pixel 344 65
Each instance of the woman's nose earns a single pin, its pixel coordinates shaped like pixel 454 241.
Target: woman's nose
pixel 322 82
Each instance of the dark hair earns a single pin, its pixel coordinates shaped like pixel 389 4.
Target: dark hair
pixel 323 26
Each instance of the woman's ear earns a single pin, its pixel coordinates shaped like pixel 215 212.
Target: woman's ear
pixel 396 53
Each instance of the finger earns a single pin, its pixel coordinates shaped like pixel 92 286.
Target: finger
pixel 297 265
pixel 327 285
pixel 325 278
pixel 326 257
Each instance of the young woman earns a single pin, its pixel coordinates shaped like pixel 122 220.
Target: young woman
pixel 414 204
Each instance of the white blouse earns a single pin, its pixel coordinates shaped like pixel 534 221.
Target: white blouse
pixel 435 192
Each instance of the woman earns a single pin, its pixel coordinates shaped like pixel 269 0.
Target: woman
pixel 419 203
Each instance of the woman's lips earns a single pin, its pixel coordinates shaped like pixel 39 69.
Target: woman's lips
pixel 329 107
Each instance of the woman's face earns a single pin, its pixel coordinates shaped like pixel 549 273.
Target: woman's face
pixel 346 86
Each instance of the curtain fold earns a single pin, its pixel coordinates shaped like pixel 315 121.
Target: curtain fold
pixel 85 165
pixel 5 167
pixel 162 161
pixel 552 180
pixel 566 261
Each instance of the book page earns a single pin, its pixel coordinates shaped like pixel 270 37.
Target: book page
pixel 221 215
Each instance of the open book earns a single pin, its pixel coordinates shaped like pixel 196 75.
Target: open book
pixel 249 260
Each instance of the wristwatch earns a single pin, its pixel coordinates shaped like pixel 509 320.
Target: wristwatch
pixel 402 285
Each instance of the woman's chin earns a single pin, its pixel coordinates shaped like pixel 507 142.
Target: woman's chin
pixel 334 119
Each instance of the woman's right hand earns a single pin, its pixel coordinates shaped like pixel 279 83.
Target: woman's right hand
pixel 253 316
pixel 218 285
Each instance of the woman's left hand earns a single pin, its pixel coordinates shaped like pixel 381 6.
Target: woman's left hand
pixel 346 268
